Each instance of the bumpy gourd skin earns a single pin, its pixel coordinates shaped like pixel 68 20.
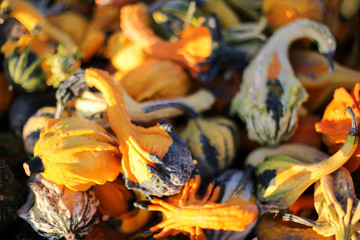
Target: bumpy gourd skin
pixel 155 160
pixel 56 212
pixel 77 153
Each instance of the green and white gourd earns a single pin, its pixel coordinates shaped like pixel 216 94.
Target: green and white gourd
pixel 270 94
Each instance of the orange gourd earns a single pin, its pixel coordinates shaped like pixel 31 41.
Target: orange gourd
pixel 75 152
pixel 193 47
pixel 190 214
pixel 155 160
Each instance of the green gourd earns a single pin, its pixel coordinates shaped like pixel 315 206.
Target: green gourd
pixel 23 71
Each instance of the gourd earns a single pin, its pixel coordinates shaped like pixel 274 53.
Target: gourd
pixel 304 153
pixel 155 160
pixel 90 103
pixel 212 141
pixel 270 94
pixel 11 196
pixel 56 212
pixel 75 152
pixel 193 47
pixel 282 179
pixel 337 207
pixel 189 213
pixel 156 79
pixel 24 72
pixel 76 93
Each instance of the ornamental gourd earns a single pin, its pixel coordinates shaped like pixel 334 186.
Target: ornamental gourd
pixel 270 94
pixel 212 141
pixel 24 72
pixel 75 152
pixel 155 160
pixel 282 179
pixel 56 212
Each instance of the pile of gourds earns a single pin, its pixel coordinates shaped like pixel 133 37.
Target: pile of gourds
pixel 180 119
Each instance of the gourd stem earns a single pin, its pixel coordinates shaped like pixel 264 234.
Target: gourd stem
pixel 34 166
pixel 301 220
pixel 268 209
pixel 189 111
pixel 353 118
pixel 330 58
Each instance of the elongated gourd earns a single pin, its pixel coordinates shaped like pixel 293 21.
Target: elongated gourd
pixel 283 179
pixel 75 152
pixel 155 160
pixel 270 94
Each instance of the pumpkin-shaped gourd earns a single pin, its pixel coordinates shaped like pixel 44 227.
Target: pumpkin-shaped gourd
pixel 24 72
pixel 75 152
pixel 56 212
pixel 11 196
pixel 212 141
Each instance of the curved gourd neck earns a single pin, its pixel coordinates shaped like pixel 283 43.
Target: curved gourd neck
pixel 113 94
pixel 281 39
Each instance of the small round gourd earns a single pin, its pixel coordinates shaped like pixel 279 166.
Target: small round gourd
pixel 23 71
pixel 56 212
pixel 75 152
